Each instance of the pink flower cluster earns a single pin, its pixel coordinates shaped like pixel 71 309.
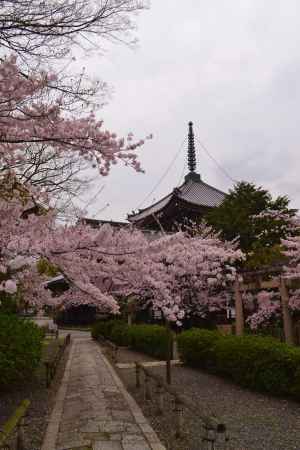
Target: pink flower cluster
pixel 31 112
pixel 268 308
pixel 176 274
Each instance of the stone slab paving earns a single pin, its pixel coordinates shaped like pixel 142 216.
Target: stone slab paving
pixel 93 410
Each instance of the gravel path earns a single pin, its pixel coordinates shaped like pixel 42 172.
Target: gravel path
pixel 254 421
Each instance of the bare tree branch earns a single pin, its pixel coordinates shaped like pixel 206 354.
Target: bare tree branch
pixel 48 29
pixel 61 176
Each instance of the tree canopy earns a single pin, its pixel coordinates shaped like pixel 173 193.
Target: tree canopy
pixel 250 214
pixel 179 274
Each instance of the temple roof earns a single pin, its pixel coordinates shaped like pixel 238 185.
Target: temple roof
pixel 193 191
pixel 193 195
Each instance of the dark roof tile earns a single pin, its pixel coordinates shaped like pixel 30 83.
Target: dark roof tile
pixel 195 192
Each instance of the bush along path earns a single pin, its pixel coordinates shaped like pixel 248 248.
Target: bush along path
pixel 21 346
pixel 152 340
pixel 259 363
pixel 93 410
pixel 40 397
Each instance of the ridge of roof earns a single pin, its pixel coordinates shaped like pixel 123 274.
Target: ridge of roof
pixel 211 187
pixel 141 211
pixel 176 192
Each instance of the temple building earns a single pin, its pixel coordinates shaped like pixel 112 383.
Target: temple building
pixel 190 201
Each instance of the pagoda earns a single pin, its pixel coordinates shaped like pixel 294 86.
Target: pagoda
pixel 188 202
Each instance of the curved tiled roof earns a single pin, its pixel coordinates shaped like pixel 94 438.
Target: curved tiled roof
pixel 201 194
pixel 193 191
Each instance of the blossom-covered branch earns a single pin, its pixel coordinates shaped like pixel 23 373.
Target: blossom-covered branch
pixel 29 115
pixel 177 275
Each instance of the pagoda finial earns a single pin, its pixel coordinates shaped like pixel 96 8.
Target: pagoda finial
pixel 191 149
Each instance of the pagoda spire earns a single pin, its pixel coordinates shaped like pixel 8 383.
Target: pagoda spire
pixel 191 149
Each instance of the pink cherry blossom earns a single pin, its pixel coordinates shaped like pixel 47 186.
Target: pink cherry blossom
pixel 31 112
pixel 176 274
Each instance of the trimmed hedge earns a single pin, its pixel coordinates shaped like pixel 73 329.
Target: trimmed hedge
pixel 104 328
pixel 120 334
pixel 150 339
pixel 196 347
pixel 259 363
pixel 20 349
pixel 8 304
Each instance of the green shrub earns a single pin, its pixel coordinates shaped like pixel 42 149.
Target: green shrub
pixel 96 331
pixel 8 304
pixel 20 349
pixel 120 334
pixel 104 328
pixel 256 362
pixel 150 339
pixel 197 347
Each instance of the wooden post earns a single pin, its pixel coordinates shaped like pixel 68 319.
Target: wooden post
pixel 168 370
pixel 239 312
pixel 52 369
pixel 115 352
pixel 160 399
pixel 67 339
pixel 178 414
pixel 287 319
pixel 20 436
pixel 131 309
pixel 129 319
pixel 147 395
pixel 209 438
pixel 137 376
pixel 169 354
pixel 222 440
pixel 47 374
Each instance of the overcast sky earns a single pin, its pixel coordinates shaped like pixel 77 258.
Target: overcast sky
pixel 233 68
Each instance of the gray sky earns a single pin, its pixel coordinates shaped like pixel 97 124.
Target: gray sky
pixel 233 68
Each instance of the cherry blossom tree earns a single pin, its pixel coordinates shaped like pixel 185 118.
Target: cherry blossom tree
pixel 44 34
pixel 37 35
pixel 292 268
pixel 265 311
pixel 63 176
pixel 29 115
pixel 177 274
pixel 38 30
pixel 263 308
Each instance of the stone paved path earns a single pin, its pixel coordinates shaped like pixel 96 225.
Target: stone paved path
pixel 93 410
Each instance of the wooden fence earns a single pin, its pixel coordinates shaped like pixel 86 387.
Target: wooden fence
pixel 51 364
pixel 111 348
pixel 155 389
pixel 11 435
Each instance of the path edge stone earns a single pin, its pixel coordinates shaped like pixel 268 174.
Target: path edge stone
pixel 143 423
pixel 50 437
